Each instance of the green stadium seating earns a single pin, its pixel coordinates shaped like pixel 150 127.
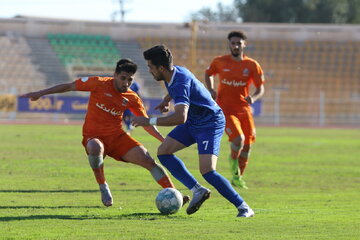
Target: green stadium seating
pixel 85 51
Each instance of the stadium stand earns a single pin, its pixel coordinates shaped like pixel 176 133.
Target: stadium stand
pixel 85 51
pixel 311 70
pixel 18 72
pixel 49 64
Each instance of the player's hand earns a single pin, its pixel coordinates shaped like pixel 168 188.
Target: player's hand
pixel 163 107
pixel 140 121
pixel 32 95
pixel 249 100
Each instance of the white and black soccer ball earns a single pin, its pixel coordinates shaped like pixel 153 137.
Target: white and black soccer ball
pixel 169 201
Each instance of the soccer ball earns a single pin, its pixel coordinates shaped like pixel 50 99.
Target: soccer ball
pixel 169 201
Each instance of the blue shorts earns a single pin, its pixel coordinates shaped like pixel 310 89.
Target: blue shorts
pixel 208 138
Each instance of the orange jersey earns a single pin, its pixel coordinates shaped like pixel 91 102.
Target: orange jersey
pixel 235 78
pixel 106 106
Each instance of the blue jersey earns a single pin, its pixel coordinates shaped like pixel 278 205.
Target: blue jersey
pixel 185 88
pixel 135 87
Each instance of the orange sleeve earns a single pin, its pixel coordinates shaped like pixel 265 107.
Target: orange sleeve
pixel 86 83
pixel 213 68
pixel 137 106
pixel 258 75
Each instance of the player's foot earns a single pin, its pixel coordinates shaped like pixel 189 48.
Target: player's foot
pixel 186 199
pixel 106 196
pixel 239 182
pixel 247 212
pixel 199 197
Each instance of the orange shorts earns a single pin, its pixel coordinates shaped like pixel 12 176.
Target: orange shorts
pixel 116 145
pixel 238 123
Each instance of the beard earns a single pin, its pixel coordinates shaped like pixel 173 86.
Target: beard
pixel 235 53
pixel 124 89
pixel 159 77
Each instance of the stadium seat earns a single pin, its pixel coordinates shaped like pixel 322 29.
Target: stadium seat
pixel 79 51
pixel 18 72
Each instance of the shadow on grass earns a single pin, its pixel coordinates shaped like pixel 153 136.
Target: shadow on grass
pixel 133 216
pixel 47 191
pixel 47 207
pixel 70 191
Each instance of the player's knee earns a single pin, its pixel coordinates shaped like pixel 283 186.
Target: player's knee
pixel 239 141
pixel 207 169
pixel 95 147
pixel 146 160
pixel 163 150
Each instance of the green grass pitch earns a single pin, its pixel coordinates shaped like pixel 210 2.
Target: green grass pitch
pixel 303 184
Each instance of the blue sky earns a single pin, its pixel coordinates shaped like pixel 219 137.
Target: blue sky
pixel 101 10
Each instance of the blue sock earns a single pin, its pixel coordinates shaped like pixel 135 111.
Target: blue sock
pixel 177 168
pixel 224 187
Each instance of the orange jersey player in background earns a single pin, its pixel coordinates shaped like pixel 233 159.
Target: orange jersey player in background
pixel 236 72
pixel 102 131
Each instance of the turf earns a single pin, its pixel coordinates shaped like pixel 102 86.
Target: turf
pixel 303 184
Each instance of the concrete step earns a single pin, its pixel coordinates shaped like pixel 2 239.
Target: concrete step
pixel 49 64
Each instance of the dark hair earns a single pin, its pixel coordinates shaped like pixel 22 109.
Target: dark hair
pixel 125 65
pixel 159 55
pixel 239 34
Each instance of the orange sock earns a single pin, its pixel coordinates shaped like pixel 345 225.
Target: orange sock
pixel 243 162
pixel 99 174
pixel 166 182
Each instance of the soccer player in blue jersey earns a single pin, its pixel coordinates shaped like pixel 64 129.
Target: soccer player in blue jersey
pixel 198 119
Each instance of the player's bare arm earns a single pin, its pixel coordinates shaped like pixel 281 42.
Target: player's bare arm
pixel 176 118
pixel 164 105
pixel 65 87
pixel 153 131
pixel 209 82
pixel 259 92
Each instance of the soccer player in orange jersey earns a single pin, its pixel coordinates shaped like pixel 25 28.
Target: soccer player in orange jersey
pixel 102 130
pixel 236 72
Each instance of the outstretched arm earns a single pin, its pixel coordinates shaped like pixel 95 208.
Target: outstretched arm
pixel 176 118
pixel 152 130
pixel 65 87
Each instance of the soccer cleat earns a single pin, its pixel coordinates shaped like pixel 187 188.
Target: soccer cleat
pixel 239 182
pixel 186 199
pixel 106 196
pixel 199 197
pixel 247 212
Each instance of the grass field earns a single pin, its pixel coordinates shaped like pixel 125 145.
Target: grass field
pixel 303 184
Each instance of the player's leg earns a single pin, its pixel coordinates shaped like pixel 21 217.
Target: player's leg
pixel 236 146
pixel 236 138
pixel 140 156
pixel 179 138
pixel 128 149
pixel 95 150
pixel 208 147
pixel 248 127
pixel 244 158
pixel 222 185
